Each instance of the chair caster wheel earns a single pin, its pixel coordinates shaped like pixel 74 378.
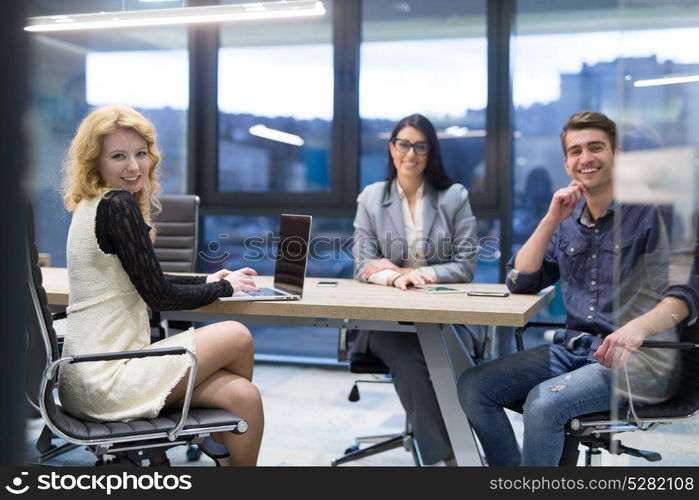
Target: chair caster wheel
pixel 193 453
pixel 351 449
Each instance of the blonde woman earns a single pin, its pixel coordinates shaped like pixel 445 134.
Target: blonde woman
pixel 111 182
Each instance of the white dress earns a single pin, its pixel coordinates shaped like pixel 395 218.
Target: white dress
pixel 106 314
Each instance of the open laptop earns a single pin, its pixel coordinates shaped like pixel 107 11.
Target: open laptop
pixel 290 268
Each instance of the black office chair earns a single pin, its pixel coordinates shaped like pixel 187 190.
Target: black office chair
pixel 177 231
pixel 175 246
pixel 594 430
pixel 128 443
pixel 364 363
pixel 367 364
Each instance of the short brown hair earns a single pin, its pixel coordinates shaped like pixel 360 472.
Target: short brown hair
pixel 590 119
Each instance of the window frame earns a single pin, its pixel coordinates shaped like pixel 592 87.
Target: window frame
pixel 340 200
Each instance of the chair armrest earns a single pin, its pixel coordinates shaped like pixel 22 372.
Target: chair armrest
pixel 659 344
pixel 532 324
pixel 538 324
pixel 172 434
pixel 110 356
pixel 663 344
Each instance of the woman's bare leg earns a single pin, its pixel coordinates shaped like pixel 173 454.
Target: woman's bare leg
pixel 223 349
pixel 227 345
pixel 240 397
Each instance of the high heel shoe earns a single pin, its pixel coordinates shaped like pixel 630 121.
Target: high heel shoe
pixel 216 452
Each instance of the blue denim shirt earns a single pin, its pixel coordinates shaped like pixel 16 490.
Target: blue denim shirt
pixel 607 277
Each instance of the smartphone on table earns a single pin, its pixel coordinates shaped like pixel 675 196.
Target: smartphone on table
pixel 476 293
pixel 435 289
pixel 327 283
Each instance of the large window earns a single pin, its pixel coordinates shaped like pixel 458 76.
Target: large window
pixel 424 57
pixel 292 95
pixel 275 120
pixel 603 68
pixel 74 72
pixel 607 61
pixel 275 101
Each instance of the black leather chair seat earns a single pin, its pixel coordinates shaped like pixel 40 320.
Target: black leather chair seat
pixel 196 418
pixel 366 363
pixel 673 408
pixel 677 407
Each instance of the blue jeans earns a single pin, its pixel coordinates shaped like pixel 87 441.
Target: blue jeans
pixel 558 384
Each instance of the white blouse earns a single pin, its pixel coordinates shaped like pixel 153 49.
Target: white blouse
pixel 414 232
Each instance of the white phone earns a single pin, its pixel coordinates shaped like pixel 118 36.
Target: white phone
pixel 488 294
pixel 436 289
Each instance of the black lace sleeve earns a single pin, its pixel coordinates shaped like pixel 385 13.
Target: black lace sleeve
pixel 177 279
pixel 121 231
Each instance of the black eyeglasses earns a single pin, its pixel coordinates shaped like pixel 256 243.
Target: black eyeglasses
pixel 421 148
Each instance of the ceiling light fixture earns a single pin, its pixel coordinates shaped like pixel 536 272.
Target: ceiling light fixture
pixel 666 81
pixel 275 135
pixel 179 15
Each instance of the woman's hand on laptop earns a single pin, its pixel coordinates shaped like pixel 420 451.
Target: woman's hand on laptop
pixel 242 279
pixel 218 275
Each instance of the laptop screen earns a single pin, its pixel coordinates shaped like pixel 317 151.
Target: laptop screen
pixel 292 252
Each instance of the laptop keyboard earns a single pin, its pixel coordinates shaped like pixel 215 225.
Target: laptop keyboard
pixel 264 292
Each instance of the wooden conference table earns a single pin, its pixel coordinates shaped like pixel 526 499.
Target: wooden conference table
pixel 355 305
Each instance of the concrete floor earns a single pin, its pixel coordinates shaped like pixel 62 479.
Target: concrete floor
pixel 309 421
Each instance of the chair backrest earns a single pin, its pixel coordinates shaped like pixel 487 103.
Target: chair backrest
pixel 42 345
pixel 177 232
pixel 689 386
pixel 42 342
pixel 366 363
pixel 688 394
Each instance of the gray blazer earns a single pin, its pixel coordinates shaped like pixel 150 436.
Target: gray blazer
pixel 449 230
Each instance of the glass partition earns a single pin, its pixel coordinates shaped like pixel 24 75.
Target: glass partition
pixel 656 176
pixel 609 47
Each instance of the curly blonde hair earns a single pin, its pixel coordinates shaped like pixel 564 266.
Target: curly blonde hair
pixel 81 177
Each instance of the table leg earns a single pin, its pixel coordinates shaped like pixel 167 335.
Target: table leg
pixel 444 370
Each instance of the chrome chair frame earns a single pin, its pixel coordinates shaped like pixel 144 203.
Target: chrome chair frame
pixel 133 446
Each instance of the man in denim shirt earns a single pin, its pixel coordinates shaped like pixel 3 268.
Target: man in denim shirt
pixel 612 261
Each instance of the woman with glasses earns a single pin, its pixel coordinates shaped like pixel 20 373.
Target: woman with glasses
pixel 414 228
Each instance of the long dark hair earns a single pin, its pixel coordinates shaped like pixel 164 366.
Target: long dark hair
pixel 435 174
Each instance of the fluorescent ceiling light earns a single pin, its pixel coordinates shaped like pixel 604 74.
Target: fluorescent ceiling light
pixel 179 15
pixel 666 81
pixel 456 131
pixel 275 135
